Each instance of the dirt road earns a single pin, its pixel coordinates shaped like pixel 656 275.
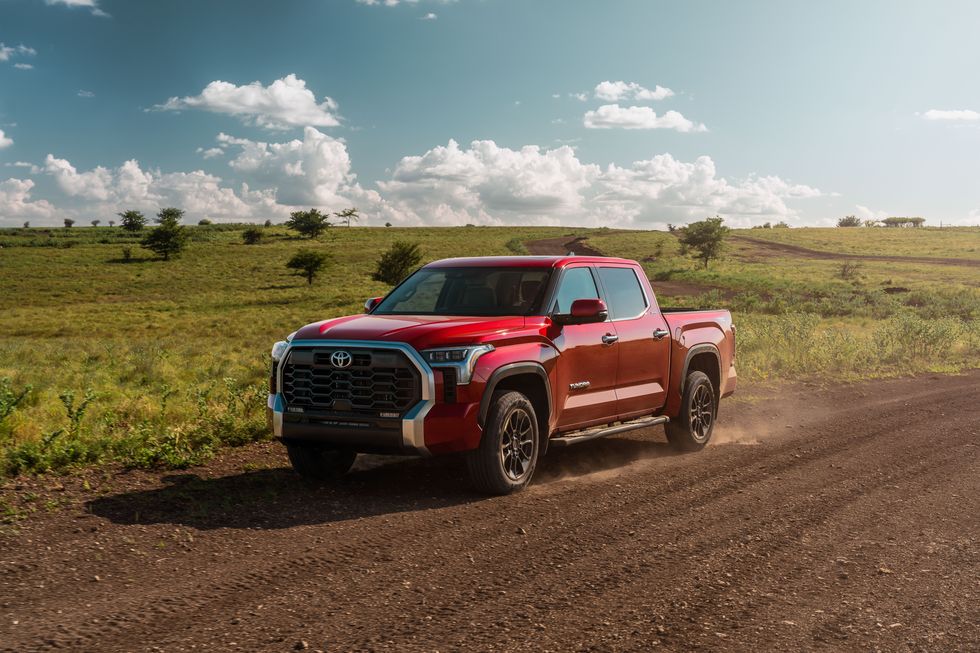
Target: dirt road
pixel 762 246
pixel 838 519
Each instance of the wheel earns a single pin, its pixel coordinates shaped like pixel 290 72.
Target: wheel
pixel 318 462
pixel 508 452
pixel 691 429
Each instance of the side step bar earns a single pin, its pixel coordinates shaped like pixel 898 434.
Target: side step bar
pixel 577 437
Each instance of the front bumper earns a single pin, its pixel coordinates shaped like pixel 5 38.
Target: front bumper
pixel 427 428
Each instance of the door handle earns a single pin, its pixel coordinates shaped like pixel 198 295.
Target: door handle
pixel 660 334
pixel 609 339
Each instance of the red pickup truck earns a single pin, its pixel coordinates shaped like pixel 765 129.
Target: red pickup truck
pixel 501 358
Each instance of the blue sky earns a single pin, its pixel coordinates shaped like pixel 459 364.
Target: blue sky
pixel 626 113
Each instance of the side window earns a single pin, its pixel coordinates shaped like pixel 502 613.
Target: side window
pixel 576 283
pixel 623 292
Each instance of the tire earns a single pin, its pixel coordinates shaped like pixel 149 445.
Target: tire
pixel 318 462
pixel 692 428
pixel 508 452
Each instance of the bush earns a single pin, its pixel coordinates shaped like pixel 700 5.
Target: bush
pixel 307 263
pixel 204 222
pixel 310 223
pixel 252 236
pixel 127 253
pixel 397 262
pixel 516 245
pixel 849 221
pixel 68 223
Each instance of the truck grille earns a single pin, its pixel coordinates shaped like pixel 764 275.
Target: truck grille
pixel 377 381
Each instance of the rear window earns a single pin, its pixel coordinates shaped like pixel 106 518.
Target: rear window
pixel 624 295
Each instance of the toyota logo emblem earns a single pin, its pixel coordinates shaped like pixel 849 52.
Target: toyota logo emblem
pixel 341 359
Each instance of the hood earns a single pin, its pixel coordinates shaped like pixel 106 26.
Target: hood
pixel 419 331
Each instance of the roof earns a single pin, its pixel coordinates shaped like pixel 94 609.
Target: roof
pixel 522 261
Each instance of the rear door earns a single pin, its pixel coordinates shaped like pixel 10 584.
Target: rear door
pixel 644 340
pixel 587 365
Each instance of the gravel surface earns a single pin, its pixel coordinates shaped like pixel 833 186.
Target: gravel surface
pixel 840 518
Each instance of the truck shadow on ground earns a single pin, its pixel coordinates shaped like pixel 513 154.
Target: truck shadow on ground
pixel 276 498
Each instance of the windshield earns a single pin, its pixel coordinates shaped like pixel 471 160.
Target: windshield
pixel 468 291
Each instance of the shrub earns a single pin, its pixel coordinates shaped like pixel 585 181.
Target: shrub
pixel 68 223
pixel 268 223
pixel 850 270
pixel 397 262
pixel 516 245
pixel 127 253
pixel 310 223
pixel 252 236
pixel 204 222
pixel 307 263
pixel 849 221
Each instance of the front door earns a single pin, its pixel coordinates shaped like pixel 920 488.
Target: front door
pixel 588 359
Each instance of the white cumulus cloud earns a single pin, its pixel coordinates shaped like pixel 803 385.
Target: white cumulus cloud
pixel 312 171
pixel 5 141
pixel 284 103
pixel 210 153
pixel 91 5
pixel 15 201
pixel 490 184
pixel 952 115
pixel 8 52
pixel 620 90
pixel 613 116
pixel 85 94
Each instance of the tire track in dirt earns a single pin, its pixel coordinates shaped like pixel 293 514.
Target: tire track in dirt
pixel 641 549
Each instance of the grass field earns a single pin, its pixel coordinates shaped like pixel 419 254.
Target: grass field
pixel 156 363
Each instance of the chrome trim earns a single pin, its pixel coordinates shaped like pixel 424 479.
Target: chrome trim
pixel 413 423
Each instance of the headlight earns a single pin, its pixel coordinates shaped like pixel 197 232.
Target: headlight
pixel 462 358
pixel 279 349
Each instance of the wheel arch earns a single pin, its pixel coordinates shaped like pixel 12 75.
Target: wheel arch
pixel 531 380
pixel 704 358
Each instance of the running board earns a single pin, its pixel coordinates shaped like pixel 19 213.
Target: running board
pixel 577 437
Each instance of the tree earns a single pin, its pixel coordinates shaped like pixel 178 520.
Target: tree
pixel 169 216
pixel 705 237
pixel 268 223
pixel 307 263
pixel 168 239
pixel 252 236
pixel 396 262
pixel 871 223
pixel 95 223
pixel 780 225
pixel 133 220
pixel 849 221
pixel 112 223
pixel 68 223
pixel 348 214
pixel 27 225
pixel 203 222
pixel 310 223
pixel 387 224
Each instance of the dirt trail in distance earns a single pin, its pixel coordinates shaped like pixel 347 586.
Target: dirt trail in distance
pixel 783 249
pixel 845 520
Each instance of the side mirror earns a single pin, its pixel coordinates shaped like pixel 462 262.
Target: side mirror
pixel 370 304
pixel 584 311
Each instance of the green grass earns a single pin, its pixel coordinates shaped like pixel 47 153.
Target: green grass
pixel 172 357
